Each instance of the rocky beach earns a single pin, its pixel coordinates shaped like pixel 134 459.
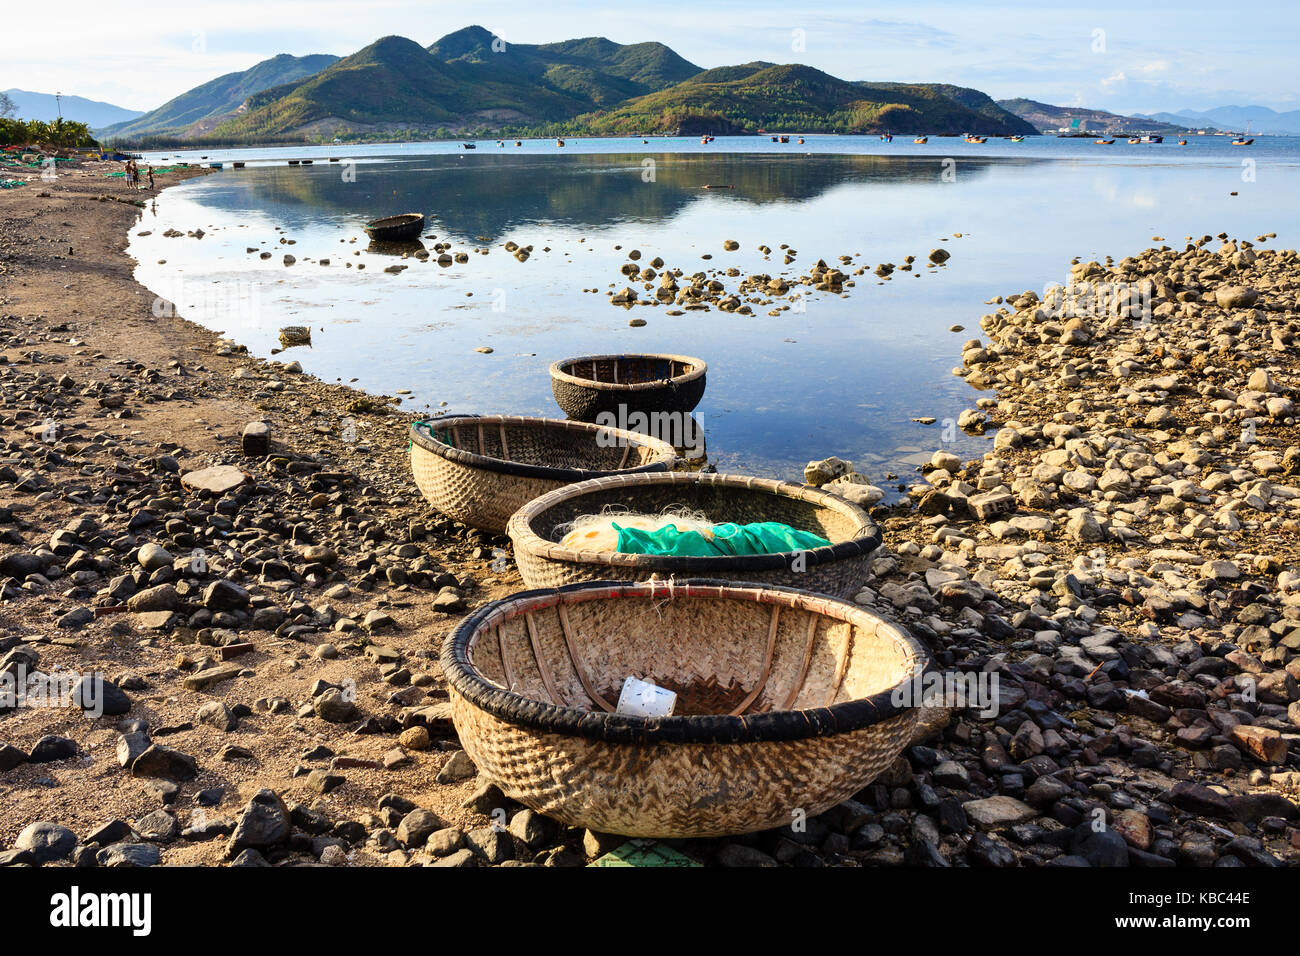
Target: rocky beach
pixel 239 549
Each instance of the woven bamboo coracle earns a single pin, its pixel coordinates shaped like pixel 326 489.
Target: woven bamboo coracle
pixel 480 469
pixel 785 703
pixel 838 569
pixel 589 385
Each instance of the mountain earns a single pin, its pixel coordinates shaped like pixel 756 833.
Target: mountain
pixel 593 67
pixel 982 104
pixel 1049 119
pixel 44 106
pixel 797 98
pixel 472 82
pixel 1260 119
pixel 465 80
pixel 197 111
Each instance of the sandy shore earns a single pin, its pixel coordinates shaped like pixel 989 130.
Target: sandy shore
pixel 137 401
pixel 1123 561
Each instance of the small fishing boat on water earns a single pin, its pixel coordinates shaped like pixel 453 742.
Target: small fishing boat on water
pixel 1242 140
pixel 559 142
pixel 401 228
pixel 1016 139
pixel 977 139
pixel 800 140
pixel 785 139
pixel 1134 140
pixel 519 142
pixel 1153 138
pixel 886 137
pixel 1182 142
pixel 470 145
pixel 1103 142
pixel 922 140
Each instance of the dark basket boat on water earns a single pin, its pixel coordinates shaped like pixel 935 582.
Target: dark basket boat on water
pixel 401 228
pixel 586 386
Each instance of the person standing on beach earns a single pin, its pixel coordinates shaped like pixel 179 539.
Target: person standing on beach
pixel 126 171
pixel 151 186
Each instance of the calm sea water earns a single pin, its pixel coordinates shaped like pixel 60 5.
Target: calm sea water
pixel 843 375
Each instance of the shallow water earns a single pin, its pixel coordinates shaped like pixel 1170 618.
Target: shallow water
pixel 843 375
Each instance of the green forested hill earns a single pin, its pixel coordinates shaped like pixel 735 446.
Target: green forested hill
pixel 473 83
pixel 797 98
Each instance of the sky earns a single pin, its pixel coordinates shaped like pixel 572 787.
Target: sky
pixel 1120 56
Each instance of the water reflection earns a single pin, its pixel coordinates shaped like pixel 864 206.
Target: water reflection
pixel 487 197
pixel 845 374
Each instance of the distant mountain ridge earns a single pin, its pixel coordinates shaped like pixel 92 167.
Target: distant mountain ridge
pixel 195 112
pixel 45 106
pixel 1260 119
pixel 1048 118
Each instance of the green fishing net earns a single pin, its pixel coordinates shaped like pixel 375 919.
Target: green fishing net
pixel 728 540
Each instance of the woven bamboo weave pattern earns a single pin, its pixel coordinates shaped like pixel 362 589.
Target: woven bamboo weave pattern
pixel 785 703
pixel 481 469
pixel 591 385
pixel 839 570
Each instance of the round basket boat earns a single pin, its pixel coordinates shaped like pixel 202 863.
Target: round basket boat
pixel 590 385
pixel 785 701
pixel 401 228
pixel 838 568
pixel 480 469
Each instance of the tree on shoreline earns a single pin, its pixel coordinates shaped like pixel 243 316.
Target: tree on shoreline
pixel 60 134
